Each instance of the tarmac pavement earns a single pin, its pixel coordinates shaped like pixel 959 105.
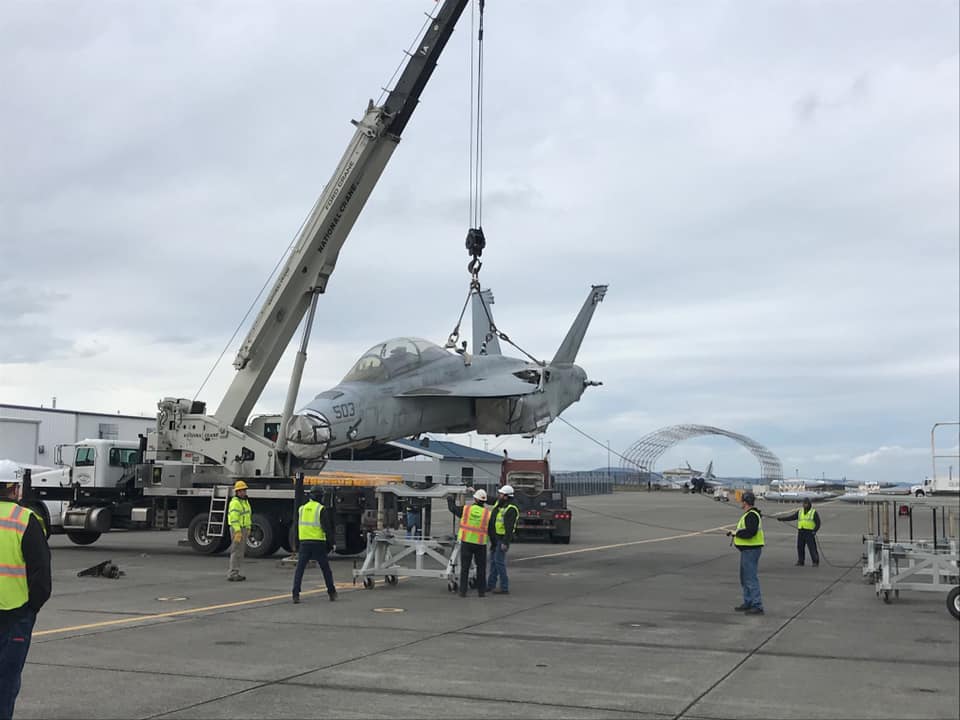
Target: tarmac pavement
pixel 633 619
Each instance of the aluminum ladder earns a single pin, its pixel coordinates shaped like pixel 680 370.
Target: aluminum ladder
pixel 217 517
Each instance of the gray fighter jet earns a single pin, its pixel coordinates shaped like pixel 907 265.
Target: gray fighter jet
pixel 407 386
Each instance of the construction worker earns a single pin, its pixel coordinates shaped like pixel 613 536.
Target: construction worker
pixel 472 534
pixel 238 517
pixel 748 539
pixel 315 535
pixel 808 523
pixel 24 588
pixel 505 517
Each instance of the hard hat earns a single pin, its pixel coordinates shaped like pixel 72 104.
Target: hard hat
pixel 239 485
pixel 316 493
pixel 480 495
pixel 507 490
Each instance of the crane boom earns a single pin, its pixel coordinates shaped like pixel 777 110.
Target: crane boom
pixel 315 250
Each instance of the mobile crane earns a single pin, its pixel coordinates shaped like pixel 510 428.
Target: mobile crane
pixel 186 466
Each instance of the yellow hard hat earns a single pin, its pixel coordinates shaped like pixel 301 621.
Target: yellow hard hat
pixel 239 485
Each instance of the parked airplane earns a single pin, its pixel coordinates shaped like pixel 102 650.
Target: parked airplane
pixel 407 386
pixel 799 489
pixel 701 479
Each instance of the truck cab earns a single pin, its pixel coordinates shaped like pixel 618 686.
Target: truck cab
pixel 89 463
pixel 543 508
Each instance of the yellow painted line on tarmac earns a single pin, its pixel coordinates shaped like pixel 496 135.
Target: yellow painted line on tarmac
pixel 348 586
pixel 596 548
pixel 187 611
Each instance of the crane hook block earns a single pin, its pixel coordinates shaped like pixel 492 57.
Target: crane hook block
pixel 476 242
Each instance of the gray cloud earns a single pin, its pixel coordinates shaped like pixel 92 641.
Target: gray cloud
pixel 772 196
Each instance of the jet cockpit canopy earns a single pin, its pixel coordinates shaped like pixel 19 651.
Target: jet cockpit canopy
pixel 394 357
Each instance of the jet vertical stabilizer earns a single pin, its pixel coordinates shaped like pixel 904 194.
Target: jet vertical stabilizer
pixel 482 320
pixel 571 343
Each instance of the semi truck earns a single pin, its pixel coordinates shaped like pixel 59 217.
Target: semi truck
pixel 182 472
pixel 543 506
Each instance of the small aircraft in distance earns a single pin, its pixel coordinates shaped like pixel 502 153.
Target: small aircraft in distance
pixel 700 480
pixel 407 386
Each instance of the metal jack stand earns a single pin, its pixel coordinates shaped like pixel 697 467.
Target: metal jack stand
pixel 388 548
pixel 914 562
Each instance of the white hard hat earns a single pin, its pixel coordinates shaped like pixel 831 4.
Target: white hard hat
pixel 507 490
pixel 480 495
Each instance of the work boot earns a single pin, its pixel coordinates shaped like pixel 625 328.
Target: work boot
pixel 240 578
pixel 463 594
pixel 500 592
pixel 333 596
pixel 296 599
pixel 481 595
pixel 798 563
pixel 753 611
pixel 741 608
pixel 816 564
pixel 233 578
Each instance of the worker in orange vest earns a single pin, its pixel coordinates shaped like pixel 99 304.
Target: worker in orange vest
pixel 472 534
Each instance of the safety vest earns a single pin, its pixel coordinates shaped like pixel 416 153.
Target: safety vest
pixel 756 540
pixel 805 520
pixel 473 524
pixel 238 516
pixel 14 592
pixel 499 526
pixel 309 527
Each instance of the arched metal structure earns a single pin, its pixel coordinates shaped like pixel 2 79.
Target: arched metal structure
pixel 642 455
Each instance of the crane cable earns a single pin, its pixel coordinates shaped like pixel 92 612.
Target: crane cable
pixel 476 241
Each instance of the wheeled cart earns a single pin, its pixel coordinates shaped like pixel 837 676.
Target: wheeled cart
pixel 391 553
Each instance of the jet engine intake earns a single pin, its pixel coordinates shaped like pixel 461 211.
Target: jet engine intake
pixel 309 436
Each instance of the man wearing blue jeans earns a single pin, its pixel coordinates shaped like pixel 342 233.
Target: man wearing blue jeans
pixel 503 525
pixel 748 539
pixel 24 588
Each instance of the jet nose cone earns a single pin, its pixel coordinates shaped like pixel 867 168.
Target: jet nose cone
pixel 308 435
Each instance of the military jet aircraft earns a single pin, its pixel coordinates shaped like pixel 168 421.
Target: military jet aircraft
pixel 407 386
pixel 700 480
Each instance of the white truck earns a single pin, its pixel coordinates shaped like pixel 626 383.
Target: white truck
pixel 946 462
pixel 189 463
pixel 88 463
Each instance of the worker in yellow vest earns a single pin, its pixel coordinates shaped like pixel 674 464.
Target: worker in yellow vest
pixel 472 533
pixel 503 525
pixel 238 518
pixel 808 523
pixel 24 588
pixel 748 539
pixel 315 542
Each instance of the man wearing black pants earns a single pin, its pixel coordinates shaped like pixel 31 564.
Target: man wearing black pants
pixel 808 523
pixel 472 533
pixel 315 534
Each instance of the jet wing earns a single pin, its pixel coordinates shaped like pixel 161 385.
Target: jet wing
pixel 497 386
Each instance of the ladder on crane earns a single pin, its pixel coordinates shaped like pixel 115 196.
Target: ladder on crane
pixel 217 517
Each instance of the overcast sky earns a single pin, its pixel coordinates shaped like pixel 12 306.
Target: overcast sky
pixel 769 188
